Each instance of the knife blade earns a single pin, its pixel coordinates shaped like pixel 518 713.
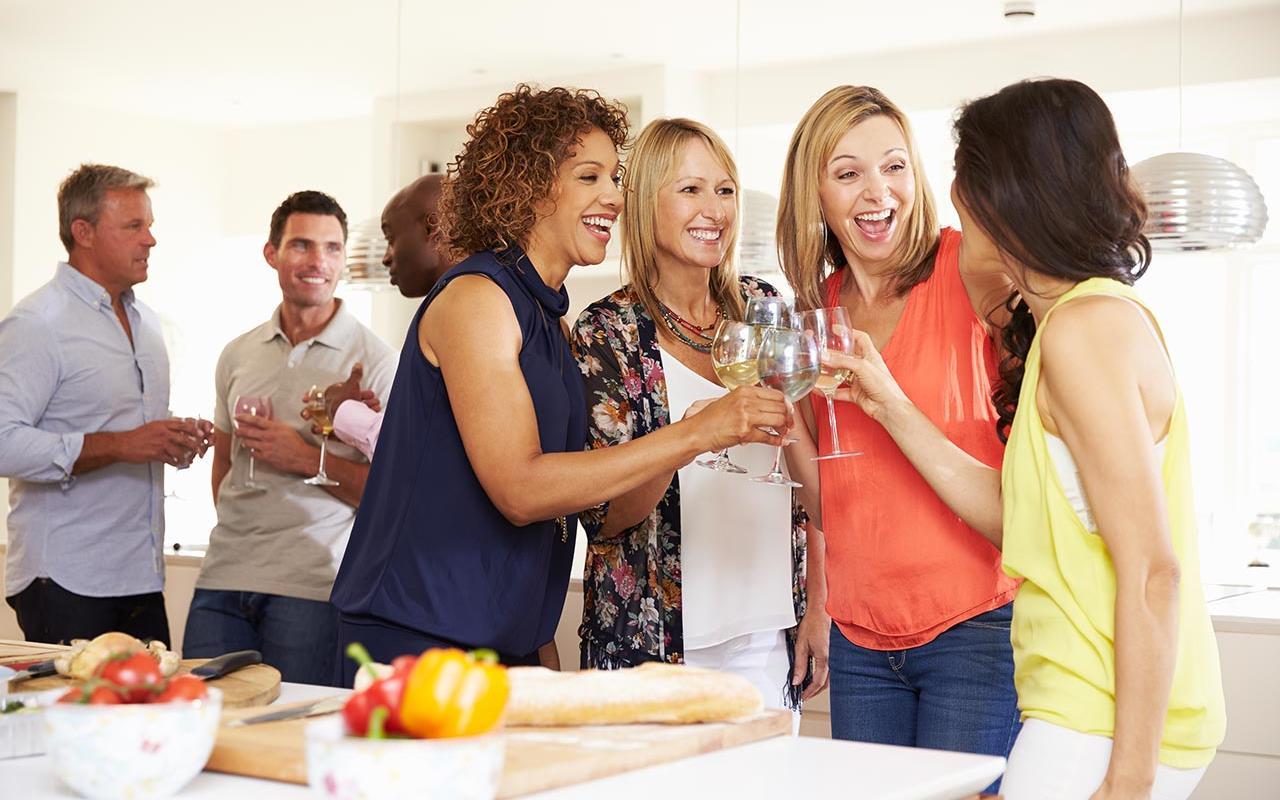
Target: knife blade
pixel 224 664
pixel 326 706
pixel 37 670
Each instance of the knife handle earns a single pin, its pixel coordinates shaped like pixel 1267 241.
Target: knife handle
pixel 223 664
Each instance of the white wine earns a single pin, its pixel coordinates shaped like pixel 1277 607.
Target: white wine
pixel 320 416
pixel 829 380
pixel 738 373
pixel 792 384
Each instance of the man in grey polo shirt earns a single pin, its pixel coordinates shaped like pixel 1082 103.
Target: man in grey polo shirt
pixel 273 555
pixel 84 425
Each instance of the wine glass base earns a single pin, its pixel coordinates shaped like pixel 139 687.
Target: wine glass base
pixel 837 454
pixel 777 479
pixel 320 480
pixel 722 466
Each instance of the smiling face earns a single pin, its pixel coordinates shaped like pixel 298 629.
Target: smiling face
pixel 121 241
pixel 867 190
pixel 696 210
pixel 575 223
pixel 309 259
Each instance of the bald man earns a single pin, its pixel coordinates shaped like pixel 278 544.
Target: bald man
pixel 416 263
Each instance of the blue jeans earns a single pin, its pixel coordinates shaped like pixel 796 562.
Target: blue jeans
pixel 954 693
pixel 298 637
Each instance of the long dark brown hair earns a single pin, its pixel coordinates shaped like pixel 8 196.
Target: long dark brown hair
pixel 1039 168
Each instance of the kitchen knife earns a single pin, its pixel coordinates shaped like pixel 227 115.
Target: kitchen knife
pixel 230 662
pixel 37 670
pixel 325 706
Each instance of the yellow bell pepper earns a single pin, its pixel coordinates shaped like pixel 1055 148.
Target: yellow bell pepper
pixel 452 693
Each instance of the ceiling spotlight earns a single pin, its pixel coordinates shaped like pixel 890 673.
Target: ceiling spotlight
pixel 1019 9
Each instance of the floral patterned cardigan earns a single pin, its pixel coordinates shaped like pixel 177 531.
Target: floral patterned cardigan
pixel 631 586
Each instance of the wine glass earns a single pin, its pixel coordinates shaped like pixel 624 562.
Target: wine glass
pixel 254 405
pixel 771 312
pixel 320 416
pixel 830 328
pixel 788 361
pixel 733 357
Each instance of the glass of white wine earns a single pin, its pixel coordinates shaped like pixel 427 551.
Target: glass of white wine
pixel 254 405
pixel 733 357
pixel 830 328
pixel 320 416
pixel 789 362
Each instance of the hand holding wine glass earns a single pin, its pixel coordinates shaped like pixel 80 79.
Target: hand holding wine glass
pixel 733 357
pixel 788 362
pixel 873 387
pixel 252 405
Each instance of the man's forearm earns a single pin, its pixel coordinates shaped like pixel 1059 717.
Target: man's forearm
pixel 99 450
pixel 349 475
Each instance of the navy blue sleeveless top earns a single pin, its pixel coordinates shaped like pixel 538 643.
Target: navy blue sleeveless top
pixel 429 551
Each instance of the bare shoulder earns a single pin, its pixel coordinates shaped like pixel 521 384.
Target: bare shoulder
pixel 1097 333
pixel 471 310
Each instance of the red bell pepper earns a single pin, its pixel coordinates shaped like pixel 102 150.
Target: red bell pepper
pixel 386 693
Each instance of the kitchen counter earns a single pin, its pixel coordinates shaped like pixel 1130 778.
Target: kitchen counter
pixel 779 767
pixel 1244 609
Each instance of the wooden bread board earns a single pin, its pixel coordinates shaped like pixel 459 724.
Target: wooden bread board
pixel 256 685
pixel 536 758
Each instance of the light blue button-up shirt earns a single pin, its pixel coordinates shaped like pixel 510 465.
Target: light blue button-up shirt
pixel 67 369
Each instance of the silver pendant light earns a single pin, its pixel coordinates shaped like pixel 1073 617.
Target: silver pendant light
pixel 365 247
pixel 1196 201
pixel 365 244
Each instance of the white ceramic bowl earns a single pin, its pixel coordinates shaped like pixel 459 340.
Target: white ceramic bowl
pixel 351 768
pixel 131 751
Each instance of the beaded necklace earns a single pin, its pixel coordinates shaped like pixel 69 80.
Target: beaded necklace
pixel 675 322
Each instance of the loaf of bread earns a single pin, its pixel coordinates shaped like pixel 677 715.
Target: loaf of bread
pixel 652 692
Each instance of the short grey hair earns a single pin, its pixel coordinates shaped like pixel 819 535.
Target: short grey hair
pixel 80 195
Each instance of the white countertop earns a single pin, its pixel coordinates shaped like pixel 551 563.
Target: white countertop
pixel 781 767
pixel 1244 609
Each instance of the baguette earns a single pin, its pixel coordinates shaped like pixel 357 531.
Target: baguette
pixel 650 693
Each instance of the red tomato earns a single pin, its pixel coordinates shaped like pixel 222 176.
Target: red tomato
pixel 98 696
pixel 137 676
pixel 182 687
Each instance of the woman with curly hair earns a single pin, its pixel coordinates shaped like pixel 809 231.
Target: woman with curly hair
pixel 464 537
pixel 695 566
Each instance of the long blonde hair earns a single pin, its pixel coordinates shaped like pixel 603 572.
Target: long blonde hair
pixel 807 250
pixel 652 164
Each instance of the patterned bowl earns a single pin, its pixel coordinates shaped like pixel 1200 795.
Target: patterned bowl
pixel 131 751
pixel 351 768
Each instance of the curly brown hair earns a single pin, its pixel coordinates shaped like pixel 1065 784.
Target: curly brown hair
pixel 510 161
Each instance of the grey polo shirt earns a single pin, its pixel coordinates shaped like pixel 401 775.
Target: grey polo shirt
pixel 288 540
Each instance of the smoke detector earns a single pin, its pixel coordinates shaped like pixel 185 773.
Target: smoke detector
pixel 1019 9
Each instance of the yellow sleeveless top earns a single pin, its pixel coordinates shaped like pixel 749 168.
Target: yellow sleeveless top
pixel 1064 614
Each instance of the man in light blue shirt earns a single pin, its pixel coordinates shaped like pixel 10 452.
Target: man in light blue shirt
pixel 85 427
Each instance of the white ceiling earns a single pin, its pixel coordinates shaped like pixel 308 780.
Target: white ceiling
pixel 239 62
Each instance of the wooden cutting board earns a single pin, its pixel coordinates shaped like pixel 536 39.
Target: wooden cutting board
pixel 536 758
pixel 251 686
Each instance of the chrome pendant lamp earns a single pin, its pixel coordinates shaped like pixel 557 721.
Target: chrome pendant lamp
pixel 1196 201
pixel 365 243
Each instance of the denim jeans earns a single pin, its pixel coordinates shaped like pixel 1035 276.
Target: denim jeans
pixel 298 637
pixel 953 693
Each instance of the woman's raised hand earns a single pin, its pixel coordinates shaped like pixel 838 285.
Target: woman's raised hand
pixel 871 386
pixel 737 418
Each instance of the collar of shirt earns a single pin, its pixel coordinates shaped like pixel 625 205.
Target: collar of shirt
pixel 337 334
pixel 89 290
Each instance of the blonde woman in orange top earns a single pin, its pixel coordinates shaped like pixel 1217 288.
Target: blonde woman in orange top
pixel 920 652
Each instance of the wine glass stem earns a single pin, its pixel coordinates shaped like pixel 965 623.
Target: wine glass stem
pixel 777 461
pixel 323 441
pixel 251 469
pixel 831 420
